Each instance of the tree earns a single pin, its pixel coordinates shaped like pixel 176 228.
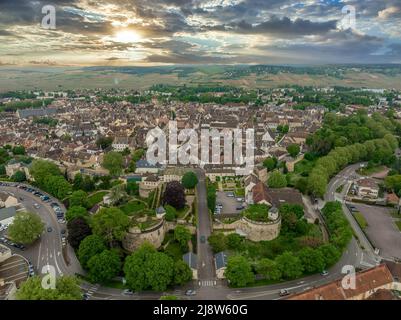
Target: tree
pixel 211 197
pixel 138 154
pixel 18 150
pixel 293 150
pixel 19 176
pixel 182 273
pixel 234 241
pixel 113 161
pixel 277 180
pixel 26 228
pixel 174 195
pixel 132 188
pixel 104 142
pixel 78 198
pixel 270 163
pixel 289 265
pixel 171 213
pixel 2 170
pixel 330 253
pixel 126 152
pixel 89 247
pixel 78 229
pixel 218 242
pixel 148 269
pixel 104 266
pixel 189 180
pixel 76 212
pixel 84 183
pixel 41 169
pixel 57 186
pixel 118 194
pixel 182 235
pixel 312 260
pixel 67 288
pixel 239 271
pixel 111 224
pixel 268 269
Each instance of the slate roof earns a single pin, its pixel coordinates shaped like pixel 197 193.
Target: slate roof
pixel 221 260
pixel 191 260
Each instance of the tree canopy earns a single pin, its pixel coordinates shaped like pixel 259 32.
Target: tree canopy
pixel 189 180
pixel 293 150
pixel 78 229
pixel 26 227
pixel 104 266
pixel 67 288
pixel 89 247
pixel 239 271
pixel 174 195
pixel 111 224
pixel 277 180
pixel 113 161
pixel 76 212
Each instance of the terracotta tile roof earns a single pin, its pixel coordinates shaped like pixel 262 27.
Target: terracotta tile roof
pixel 395 269
pixel 383 294
pixel 366 281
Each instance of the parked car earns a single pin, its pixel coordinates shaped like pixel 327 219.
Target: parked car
pixel 284 292
pixel 325 273
pixel 128 292
pixel 190 293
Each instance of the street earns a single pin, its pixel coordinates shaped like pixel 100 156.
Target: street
pixel 47 251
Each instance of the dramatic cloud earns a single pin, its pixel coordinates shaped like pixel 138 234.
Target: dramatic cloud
pixel 199 31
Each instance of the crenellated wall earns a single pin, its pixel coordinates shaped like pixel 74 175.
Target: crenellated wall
pixel 253 230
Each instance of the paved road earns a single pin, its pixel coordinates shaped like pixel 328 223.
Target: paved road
pixel 47 251
pixel 206 269
pixel 345 178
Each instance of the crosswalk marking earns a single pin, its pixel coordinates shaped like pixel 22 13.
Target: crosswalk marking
pixel 207 283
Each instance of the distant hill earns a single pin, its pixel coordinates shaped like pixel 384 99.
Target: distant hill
pixel 255 76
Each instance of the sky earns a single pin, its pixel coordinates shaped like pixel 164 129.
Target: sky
pixel 165 32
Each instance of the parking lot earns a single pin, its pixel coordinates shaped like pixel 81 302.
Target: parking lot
pixel 41 198
pixel 230 203
pixel 14 269
pixel 381 229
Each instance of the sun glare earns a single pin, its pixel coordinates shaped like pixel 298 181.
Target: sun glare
pixel 127 36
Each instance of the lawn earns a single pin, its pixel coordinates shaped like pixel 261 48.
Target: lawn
pixel 257 212
pixel 133 207
pixel 370 170
pixel 181 213
pixel 361 220
pixel 96 198
pixel 398 223
pixel 174 251
pixel 304 167
pixel 240 192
